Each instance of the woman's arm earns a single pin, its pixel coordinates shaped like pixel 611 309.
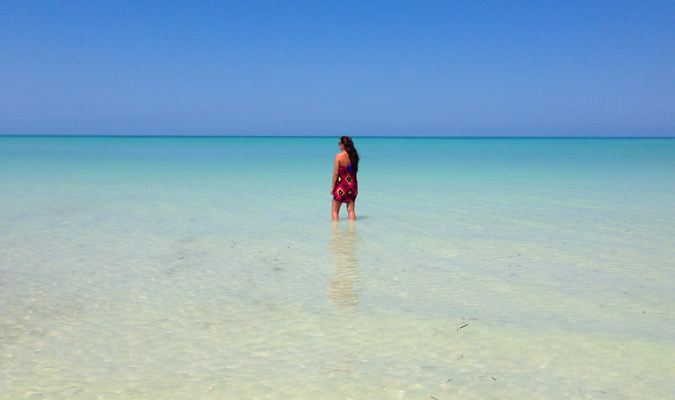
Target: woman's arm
pixel 336 172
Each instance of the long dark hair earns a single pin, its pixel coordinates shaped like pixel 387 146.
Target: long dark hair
pixel 354 158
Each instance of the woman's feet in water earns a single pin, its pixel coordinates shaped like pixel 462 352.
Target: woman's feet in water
pixel 350 210
pixel 352 216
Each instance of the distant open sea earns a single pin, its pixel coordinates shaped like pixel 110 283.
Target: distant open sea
pixel 209 268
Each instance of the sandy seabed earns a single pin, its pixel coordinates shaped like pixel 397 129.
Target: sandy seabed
pixel 209 268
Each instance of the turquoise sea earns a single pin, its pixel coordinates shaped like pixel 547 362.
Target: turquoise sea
pixel 209 268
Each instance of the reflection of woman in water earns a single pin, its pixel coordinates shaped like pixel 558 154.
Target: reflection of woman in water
pixel 345 188
pixel 344 285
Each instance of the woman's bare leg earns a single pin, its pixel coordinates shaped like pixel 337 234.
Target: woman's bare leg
pixel 350 210
pixel 336 210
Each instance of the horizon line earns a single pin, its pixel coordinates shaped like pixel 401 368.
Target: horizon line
pixel 323 137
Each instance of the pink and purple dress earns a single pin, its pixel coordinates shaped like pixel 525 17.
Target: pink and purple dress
pixel 346 186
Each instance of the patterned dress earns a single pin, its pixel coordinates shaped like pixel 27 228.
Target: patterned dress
pixel 346 186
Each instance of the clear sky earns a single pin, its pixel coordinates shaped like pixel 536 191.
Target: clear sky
pixel 486 68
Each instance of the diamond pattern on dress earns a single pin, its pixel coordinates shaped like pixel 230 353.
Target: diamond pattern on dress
pixel 346 186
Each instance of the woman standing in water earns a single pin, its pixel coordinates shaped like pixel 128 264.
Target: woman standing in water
pixel 345 187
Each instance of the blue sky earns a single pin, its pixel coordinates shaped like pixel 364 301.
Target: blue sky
pixel 474 68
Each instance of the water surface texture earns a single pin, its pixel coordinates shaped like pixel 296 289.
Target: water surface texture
pixel 174 268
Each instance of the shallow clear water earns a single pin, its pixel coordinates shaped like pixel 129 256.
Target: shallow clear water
pixel 210 268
